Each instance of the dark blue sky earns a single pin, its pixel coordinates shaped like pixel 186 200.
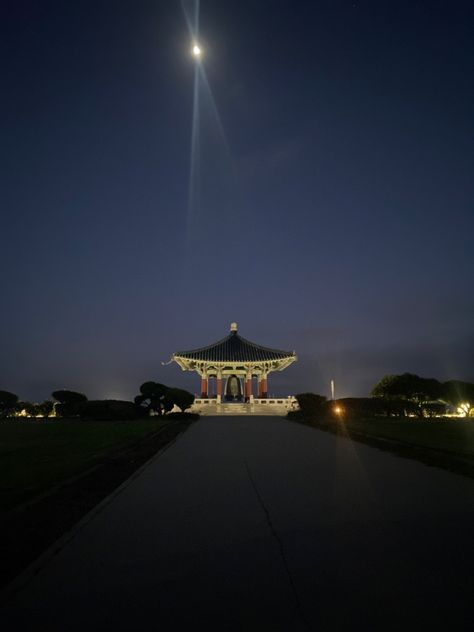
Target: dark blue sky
pixel 336 208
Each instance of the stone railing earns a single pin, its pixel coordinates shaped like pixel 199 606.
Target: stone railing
pixel 256 406
pixel 289 402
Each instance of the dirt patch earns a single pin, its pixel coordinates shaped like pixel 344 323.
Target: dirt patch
pixel 29 530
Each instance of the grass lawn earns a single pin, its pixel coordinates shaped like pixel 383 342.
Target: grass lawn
pixel 446 444
pixel 36 456
pixel 456 437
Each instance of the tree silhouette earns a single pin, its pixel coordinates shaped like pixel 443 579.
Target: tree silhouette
pixel 8 402
pixel 69 402
pixel 410 387
pixel 152 395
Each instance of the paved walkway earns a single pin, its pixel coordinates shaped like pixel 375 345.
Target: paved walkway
pixel 260 524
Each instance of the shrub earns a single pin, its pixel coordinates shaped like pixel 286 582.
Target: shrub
pixel 183 416
pixel 180 398
pixel 356 407
pixel 297 415
pixel 311 404
pixel 109 410
pixel 397 407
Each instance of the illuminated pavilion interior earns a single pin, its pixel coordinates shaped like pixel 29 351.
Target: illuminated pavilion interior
pixel 234 363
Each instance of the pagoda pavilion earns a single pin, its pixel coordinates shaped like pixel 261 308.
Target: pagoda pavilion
pixel 234 363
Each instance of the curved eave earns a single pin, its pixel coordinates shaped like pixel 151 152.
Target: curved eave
pixel 234 348
pixel 268 365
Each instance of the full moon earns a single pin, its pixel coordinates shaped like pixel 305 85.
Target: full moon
pixel 196 51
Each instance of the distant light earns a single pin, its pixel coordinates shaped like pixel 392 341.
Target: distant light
pixel 337 410
pixel 463 409
pixel 197 51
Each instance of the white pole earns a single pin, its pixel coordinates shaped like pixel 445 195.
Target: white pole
pixel 332 390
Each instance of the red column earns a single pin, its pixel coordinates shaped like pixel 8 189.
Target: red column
pixel 219 386
pixel 263 388
pixel 204 387
pixel 248 388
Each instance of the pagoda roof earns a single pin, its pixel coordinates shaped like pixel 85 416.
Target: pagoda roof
pixel 234 348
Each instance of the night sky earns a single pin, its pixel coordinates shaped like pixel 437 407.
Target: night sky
pixel 335 212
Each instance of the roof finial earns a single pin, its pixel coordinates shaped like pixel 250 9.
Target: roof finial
pixel 233 326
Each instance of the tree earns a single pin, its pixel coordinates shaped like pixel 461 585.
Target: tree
pixel 8 402
pixel 151 397
pixel 410 387
pixel 434 409
pixel 387 387
pixel 69 402
pixel 45 408
pixel 181 398
pixel 28 407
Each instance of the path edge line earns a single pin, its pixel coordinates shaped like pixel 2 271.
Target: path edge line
pixel 33 569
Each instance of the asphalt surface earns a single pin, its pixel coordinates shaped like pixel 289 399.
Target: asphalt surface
pixel 255 523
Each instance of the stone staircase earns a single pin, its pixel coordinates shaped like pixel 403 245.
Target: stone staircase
pixel 234 409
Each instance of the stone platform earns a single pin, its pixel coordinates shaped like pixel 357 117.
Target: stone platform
pixel 269 406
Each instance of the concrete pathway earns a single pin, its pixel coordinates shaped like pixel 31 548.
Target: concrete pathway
pixel 254 523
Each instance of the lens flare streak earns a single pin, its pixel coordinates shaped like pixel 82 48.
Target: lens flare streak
pixel 203 104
